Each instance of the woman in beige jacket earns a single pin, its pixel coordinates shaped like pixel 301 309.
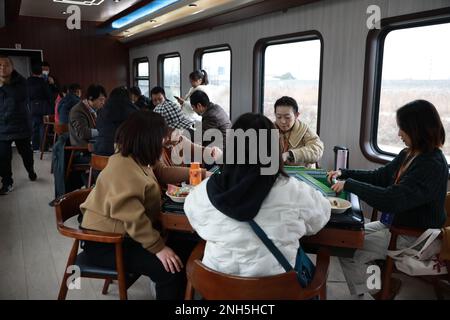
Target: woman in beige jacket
pixel 127 199
pixel 301 145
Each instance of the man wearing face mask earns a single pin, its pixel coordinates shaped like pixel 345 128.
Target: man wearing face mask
pixel 51 81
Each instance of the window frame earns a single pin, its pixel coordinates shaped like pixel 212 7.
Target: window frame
pixel 160 68
pixel 198 64
pixel 259 51
pixel 136 77
pixel 373 67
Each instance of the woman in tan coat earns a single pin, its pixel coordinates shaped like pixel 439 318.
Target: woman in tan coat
pixel 126 199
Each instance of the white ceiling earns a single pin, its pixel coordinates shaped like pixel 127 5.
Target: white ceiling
pixel 50 9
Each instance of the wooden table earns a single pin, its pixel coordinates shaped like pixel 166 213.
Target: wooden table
pixel 328 236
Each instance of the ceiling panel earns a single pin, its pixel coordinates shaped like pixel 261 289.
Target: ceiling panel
pixel 93 10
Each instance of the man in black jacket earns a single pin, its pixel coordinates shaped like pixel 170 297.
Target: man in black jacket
pixel 15 123
pixel 139 100
pixel 39 102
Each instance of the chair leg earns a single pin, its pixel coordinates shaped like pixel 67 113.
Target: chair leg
pixel 323 292
pixel 106 285
pixel 189 294
pixel 388 269
pixel 44 140
pixel 374 215
pixel 69 165
pixel 90 177
pixel 70 262
pixel 121 278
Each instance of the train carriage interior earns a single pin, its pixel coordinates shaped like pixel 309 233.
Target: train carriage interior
pixel 112 188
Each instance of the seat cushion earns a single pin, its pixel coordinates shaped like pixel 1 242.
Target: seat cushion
pixel 92 270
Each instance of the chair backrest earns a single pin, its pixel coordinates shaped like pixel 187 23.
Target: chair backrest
pixel 213 285
pixel 67 207
pixel 61 128
pixel 98 162
pixel 447 209
pixel 49 119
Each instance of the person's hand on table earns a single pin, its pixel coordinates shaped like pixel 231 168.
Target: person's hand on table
pixel 338 187
pixel 170 260
pixel 333 175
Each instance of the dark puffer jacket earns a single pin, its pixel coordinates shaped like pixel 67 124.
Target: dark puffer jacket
pixel 110 117
pixel 15 119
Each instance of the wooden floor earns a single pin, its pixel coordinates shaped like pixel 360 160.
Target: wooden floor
pixel 33 254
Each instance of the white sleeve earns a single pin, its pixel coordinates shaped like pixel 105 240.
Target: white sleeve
pixel 316 209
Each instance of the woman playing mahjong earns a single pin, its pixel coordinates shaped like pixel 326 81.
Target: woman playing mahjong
pixel 410 190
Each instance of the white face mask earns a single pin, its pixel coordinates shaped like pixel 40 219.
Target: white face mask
pixel 45 72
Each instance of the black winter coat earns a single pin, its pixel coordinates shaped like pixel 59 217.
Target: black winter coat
pixel 109 118
pixel 15 120
pixel 39 97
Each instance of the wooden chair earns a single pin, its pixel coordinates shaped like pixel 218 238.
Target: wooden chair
pixel 98 163
pixel 75 167
pixel 59 130
pixel 438 282
pixel 49 121
pixel 67 207
pixel 213 285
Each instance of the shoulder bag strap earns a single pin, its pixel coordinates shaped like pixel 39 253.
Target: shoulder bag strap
pixel 430 235
pixel 271 246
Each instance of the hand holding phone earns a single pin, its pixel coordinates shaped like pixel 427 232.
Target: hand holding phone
pixel 180 101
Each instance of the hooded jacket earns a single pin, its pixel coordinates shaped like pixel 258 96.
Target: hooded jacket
pixel 291 210
pixel 15 119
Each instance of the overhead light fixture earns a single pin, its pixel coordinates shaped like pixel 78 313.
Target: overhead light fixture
pixel 198 11
pixel 192 5
pixel 142 12
pixel 81 2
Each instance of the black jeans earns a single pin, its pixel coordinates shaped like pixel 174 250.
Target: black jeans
pixel 25 151
pixel 38 131
pixel 138 260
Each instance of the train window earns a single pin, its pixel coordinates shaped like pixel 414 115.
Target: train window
pixel 141 76
pixel 170 74
pixel 289 66
pixel 415 65
pixel 216 61
pixel 407 59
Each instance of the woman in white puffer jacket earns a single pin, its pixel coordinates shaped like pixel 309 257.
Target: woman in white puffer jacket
pixel 285 208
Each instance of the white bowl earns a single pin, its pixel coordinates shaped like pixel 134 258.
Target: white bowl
pixel 339 205
pixel 176 199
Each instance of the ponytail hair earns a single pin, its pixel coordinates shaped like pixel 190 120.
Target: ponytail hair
pixel 199 74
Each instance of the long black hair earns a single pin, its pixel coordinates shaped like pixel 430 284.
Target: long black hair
pixel 257 122
pixel 420 120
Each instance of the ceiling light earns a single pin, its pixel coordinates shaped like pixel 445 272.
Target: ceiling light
pixel 81 2
pixel 64 12
pixel 192 5
pixel 198 11
pixel 142 12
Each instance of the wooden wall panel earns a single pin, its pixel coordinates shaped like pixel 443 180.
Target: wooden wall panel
pixel 82 56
